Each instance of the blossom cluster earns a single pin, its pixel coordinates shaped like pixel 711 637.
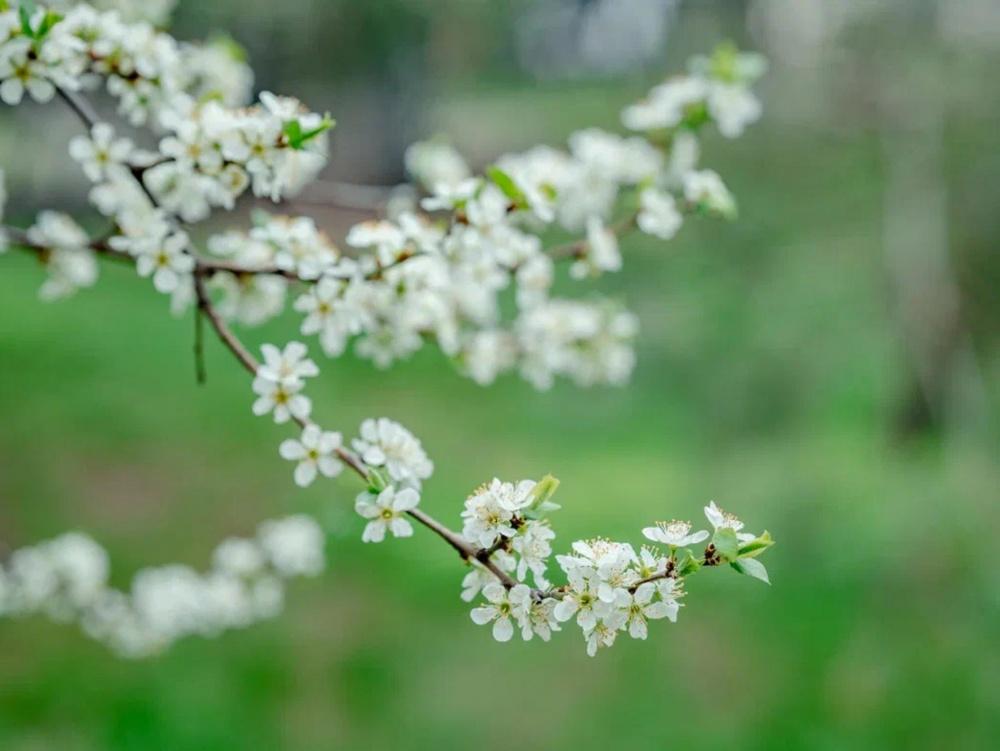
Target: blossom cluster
pixel 610 588
pixel 66 578
pixel 466 263
pixel 440 271
pixel 506 535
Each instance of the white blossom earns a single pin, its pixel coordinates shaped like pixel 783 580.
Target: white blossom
pixel 279 381
pixel 504 610
pixel 68 259
pixel 386 512
pixel 165 257
pixel 289 365
pixel 435 163
pixel 67 579
pixel 666 105
pixel 675 533
pixel 22 72
pixel 720 519
pixel 314 452
pixel 581 599
pixel 658 215
pixel 600 253
pixel 490 512
pixel 386 443
pixel 733 107
pixel 641 607
pixel 533 546
pixel 479 576
pixel 705 188
pixel 101 155
pixel 294 545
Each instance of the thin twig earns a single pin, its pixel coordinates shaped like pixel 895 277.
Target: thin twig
pixel 20 238
pixel 232 342
pixel 80 106
pixel 199 347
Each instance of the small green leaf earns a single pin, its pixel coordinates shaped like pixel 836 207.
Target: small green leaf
pixel 688 564
pixel 230 46
pixel 696 115
pixel 751 567
pixel 298 138
pixel 293 130
pixel 724 62
pixel 544 489
pixel 50 19
pixel 757 546
pixel 726 543
pixel 25 11
pixel 507 185
pixel 376 483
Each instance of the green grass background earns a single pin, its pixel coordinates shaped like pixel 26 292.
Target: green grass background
pixel 769 374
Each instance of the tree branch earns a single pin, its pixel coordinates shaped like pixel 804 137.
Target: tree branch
pixel 205 268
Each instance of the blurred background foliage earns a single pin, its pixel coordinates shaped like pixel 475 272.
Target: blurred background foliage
pixel 827 367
